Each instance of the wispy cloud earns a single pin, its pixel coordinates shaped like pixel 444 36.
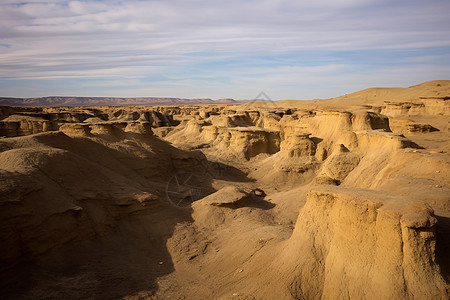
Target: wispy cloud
pixel 208 48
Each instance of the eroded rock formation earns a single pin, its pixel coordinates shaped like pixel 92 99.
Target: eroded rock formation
pixel 341 198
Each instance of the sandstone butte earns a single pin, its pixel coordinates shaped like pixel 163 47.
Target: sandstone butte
pixel 344 198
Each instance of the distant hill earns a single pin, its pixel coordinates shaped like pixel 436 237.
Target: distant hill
pixel 105 101
pixel 227 101
pixel 377 96
pixel 371 96
pixel 114 101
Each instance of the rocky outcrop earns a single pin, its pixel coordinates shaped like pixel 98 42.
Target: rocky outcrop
pixel 233 120
pixel 407 127
pixel 139 127
pixel 246 141
pixel 337 166
pixel 154 117
pixel 20 121
pixel 226 197
pixel 294 163
pixel 366 120
pixel 368 140
pixel 162 131
pixel 431 106
pixel 298 145
pixel 358 244
pixel 17 125
pixel 76 129
pixel 108 128
pixel 253 141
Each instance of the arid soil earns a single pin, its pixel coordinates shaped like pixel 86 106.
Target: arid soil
pixel 344 198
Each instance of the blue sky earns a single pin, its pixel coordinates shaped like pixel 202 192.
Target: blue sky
pixel 219 49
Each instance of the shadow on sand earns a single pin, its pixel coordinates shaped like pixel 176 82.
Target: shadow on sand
pixel 123 258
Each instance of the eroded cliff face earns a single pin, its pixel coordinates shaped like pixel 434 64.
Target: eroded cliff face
pixel 20 121
pixel 359 244
pixel 431 106
pixel 333 203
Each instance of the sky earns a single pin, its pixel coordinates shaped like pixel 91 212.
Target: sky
pixel 220 49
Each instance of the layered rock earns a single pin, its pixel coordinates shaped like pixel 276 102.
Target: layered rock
pixel 366 120
pixel 338 165
pixel 430 106
pixel 108 128
pixel 368 140
pixel 76 129
pixel 139 127
pixel 359 244
pixel 298 145
pixel 253 141
pixel 407 127
pixel 17 125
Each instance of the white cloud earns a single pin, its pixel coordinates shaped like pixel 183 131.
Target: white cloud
pixel 125 39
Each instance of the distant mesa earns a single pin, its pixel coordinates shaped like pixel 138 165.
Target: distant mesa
pixel 227 101
pixel 107 101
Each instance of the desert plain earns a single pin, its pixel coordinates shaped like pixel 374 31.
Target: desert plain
pixel 343 198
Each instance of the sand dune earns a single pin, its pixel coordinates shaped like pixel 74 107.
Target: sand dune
pixel 343 198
